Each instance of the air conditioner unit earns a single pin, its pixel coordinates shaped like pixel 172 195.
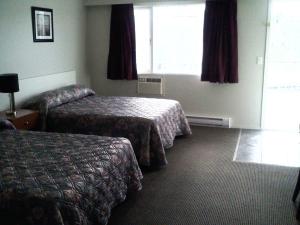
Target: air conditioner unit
pixel 210 121
pixel 150 85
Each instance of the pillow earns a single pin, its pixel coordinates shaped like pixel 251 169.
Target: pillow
pixel 58 97
pixel 6 124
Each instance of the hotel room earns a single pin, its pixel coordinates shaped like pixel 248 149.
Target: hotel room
pixel 115 112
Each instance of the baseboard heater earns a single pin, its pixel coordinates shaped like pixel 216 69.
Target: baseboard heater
pixel 209 121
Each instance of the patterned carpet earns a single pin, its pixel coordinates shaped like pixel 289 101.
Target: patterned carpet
pixel 201 185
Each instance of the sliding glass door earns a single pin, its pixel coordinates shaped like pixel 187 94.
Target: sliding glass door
pixel 281 101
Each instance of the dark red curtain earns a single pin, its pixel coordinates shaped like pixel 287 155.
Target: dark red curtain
pixel 122 49
pixel 220 51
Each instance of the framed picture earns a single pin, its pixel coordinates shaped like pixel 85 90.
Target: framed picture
pixel 42 24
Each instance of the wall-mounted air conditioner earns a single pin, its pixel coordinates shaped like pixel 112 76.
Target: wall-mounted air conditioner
pixel 150 86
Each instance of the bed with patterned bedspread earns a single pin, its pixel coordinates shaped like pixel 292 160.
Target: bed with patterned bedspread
pixel 63 179
pixel 150 124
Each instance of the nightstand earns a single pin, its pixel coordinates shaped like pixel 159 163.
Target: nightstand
pixel 24 120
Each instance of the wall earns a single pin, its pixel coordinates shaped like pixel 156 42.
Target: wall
pixel 19 54
pixel 241 102
pixel 109 2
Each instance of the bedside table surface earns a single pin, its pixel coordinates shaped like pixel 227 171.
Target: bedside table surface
pixel 24 120
pixel 20 113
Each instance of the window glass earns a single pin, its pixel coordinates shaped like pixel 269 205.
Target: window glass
pixel 176 47
pixel 143 39
pixel 177 39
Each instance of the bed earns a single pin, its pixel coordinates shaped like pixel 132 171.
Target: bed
pixel 63 179
pixel 150 124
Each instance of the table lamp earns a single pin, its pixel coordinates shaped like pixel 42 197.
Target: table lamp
pixel 9 83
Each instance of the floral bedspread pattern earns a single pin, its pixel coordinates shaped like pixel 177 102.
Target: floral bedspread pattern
pixel 63 179
pixel 150 124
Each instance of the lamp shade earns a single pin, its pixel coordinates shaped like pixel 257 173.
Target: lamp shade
pixel 9 83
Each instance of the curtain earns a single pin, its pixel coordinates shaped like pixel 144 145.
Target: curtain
pixel 220 54
pixel 122 49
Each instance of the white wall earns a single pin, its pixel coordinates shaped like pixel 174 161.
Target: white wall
pixel 241 102
pixel 19 54
pixel 110 2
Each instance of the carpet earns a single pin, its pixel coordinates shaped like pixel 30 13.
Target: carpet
pixel 202 185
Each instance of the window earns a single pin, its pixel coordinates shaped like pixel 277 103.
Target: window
pixel 169 39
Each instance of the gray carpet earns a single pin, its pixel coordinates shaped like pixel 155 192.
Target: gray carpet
pixel 201 185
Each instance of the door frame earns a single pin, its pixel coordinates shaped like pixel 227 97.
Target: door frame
pixel 265 66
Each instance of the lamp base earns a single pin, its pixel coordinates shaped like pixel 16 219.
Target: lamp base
pixel 12 109
pixel 11 113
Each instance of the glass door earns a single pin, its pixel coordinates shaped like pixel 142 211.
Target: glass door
pixel 281 100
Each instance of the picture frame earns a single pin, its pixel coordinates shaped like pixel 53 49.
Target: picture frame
pixel 42 24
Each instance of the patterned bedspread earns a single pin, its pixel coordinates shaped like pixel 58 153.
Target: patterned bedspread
pixel 150 124
pixel 63 179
